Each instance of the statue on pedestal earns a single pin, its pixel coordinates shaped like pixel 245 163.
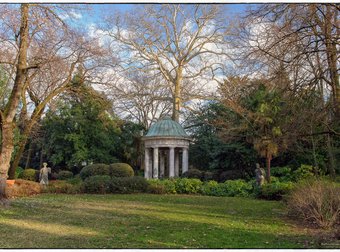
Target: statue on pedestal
pixel 43 176
pixel 260 173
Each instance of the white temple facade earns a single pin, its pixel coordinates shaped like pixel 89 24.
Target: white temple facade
pixel 166 150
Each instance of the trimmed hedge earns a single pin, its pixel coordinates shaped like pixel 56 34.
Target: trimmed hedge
pixel 105 184
pixel 112 170
pixel 128 184
pixel 62 186
pixel 94 169
pixel 97 184
pixel 188 186
pixel 121 170
pixel 63 175
pixel 29 174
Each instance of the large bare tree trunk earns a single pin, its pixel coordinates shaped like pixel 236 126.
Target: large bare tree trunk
pixel 332 58
pixel 7 116
pixel 23 140
pixel 268 161
pixel 177 102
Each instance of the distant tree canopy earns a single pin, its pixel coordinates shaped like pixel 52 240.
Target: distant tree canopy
pixel 81 129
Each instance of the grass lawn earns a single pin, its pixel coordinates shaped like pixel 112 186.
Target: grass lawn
pixel 146 221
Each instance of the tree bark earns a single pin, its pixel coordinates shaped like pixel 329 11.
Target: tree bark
pixel 331 51
pixel 177 101
pixel 268 161
pixel 29 154
pixel 331 164
pixel 23 140
pixel 8 115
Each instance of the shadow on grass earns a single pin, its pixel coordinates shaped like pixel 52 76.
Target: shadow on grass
pixel 114 222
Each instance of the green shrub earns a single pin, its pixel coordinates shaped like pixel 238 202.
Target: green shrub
pixel 63 175
pixel 316 201
pixel 128 184
pixel 213 188
pixel 97 184
pixel 75 180
pixel 189 186
pixel 93 170
pixel 193 173
pixel 275 191
pixel 170 186
pixel 280 171
pixel 18 172
pixel 121 170
pixel 303 172
pixel 208 176
pixel 156 186
pixel 62 186
pixel 29 174
pixel 237 188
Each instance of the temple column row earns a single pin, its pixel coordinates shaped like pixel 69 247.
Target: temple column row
pixel 155 166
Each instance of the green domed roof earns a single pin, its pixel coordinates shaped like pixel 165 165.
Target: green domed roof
pixel 166 127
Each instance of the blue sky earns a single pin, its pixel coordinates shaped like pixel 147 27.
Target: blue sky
pixel 99 9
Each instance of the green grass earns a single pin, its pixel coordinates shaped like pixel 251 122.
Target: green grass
pixel 146 221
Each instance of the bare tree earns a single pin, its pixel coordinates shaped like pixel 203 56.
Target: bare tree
pixel 184 43
pixel 301 39
pixel 8 113
pixel 42 58
pixel 141 98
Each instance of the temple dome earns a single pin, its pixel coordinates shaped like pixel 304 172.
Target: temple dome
pixel 166 127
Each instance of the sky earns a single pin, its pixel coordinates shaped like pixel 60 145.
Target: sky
pixel 98 10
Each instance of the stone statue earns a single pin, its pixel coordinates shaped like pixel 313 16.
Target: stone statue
pixel 259 172
pixel 43 176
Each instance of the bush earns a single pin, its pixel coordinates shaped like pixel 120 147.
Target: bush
pixel 189 186
pixel 29 174
pixel 316 201
pixel 93 170
pixel 237 188
pixel 169 185
pixel 229 175
pixel 63 187
pixel 280 171
pixel 121 170
pixel 18 172
pixel 213 188
pixel 63 175
pixel 274 191
pixel 303 172
pixel 156 186
pixel 208 176
pixel 76 180
pixel 192 173
pixel 128 184
pixel 22 188
pixel 283 173
pixel 97 184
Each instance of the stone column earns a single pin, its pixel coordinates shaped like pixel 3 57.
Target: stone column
pixel 162 164
pixel 177 164
pixel 155 162
pixel 147 164
pixel 185 160
pixel 171 162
